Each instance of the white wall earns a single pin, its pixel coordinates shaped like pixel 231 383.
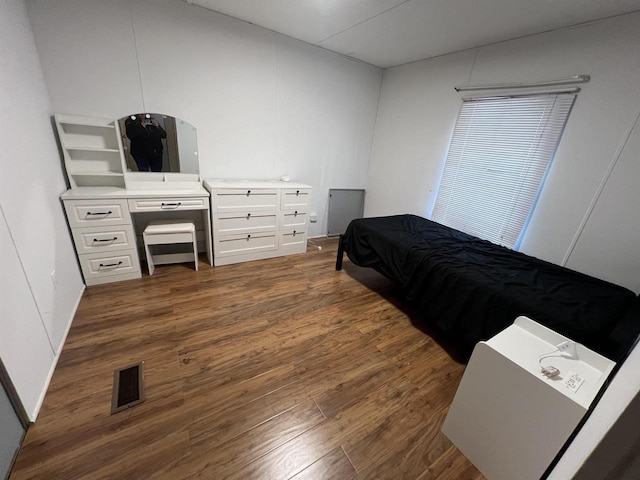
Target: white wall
pixel 34 239
pixel 619 395
pixel 418 108
pixel 265 105
pixel 416 115
pixel 619 450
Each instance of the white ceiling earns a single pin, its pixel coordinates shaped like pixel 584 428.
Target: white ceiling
pixel 392 32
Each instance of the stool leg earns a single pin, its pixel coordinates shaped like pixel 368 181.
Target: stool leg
pixel 195 250
pixel 147 251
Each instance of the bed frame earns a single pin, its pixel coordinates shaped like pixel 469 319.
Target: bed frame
pixel 471 289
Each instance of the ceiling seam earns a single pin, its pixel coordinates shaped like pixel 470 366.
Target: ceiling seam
pixel 558 29
pixel 267 29
pixel 361 22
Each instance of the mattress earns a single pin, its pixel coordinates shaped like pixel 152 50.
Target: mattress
pixel 471 289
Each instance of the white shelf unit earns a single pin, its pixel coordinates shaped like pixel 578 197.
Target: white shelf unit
pixel 507 418
pixel 92 149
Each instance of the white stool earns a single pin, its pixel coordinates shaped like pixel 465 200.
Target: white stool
pixel 163 232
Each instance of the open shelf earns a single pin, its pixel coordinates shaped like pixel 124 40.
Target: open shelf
pixel 97 179
pixel 92 150
pixel 85 121
pixel 87 173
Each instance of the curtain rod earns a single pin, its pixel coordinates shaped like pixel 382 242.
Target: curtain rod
pixel 547 83
pixel 519 93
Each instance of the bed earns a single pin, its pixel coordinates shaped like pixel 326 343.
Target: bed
pixel 470 289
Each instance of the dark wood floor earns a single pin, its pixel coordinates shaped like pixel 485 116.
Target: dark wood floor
pixel 275 369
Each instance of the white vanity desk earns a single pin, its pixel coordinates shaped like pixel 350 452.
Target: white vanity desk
pixel 107 221
pixel 110 204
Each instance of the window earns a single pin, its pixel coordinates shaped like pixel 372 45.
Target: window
pixel 500 151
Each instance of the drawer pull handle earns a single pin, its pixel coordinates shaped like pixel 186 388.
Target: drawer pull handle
pixel 171 205
pixel 105 239
pixel 297 192
pixel 248 237
pixel 295 214
pixel 294 233
pixel 99 213
pixel 248 216
pixel 110 265
pixel 248 192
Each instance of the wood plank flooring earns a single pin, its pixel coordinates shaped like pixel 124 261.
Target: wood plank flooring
pixel 275 369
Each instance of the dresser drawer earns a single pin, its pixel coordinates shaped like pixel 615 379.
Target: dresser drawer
pixel 295 198
pixel 293 241
pixel 104 238
pixel 250 200
pixel 227 223
pixel 96 265
pixel 164 204
pixel 86 213
pixel 225 246
pixel 294 219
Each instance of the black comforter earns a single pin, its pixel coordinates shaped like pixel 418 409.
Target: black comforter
pixel 471 288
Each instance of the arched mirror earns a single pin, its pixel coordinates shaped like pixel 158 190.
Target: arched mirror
pixel 154 142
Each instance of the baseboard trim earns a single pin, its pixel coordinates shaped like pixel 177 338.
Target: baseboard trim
pixel 54 363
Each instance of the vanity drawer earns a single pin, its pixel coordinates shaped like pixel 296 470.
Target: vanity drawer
pixel 294 219
pixel 295 198
pixel 293 241
pixel 163 204
pixel 230 245
pixel 98 265
pixel 237 200
pixel 104 238
pixel 227 223
pixel 86 213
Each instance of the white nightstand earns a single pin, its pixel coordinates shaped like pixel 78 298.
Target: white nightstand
pixel 507 418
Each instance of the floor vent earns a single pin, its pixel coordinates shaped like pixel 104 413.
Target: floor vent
pixel 128 387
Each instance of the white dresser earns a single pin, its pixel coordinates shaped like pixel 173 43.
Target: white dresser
pixel 257 219
pixel 103 225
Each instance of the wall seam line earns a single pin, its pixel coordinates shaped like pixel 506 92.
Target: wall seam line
pixel 600 189
pixel 15 247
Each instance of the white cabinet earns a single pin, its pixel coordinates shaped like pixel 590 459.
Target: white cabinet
pixel 255 219
pixel 249 199
pixel 137 205
pixel 92 150
pixel 104 238
pixel 107 223
pixel 94 212
pixel 106 267
pixel 507 418
pixel 295 198
pixel 229 223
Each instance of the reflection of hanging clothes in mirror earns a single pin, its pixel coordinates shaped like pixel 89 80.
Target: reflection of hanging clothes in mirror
pixel 180 153
pixel 170 159
pixel 145 135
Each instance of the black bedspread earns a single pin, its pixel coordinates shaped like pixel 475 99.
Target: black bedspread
pixel 471 288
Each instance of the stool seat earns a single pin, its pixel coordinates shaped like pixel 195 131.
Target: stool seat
pixel 169 226
pixel 165 232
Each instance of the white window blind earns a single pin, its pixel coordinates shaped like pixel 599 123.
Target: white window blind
pixel 499 154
